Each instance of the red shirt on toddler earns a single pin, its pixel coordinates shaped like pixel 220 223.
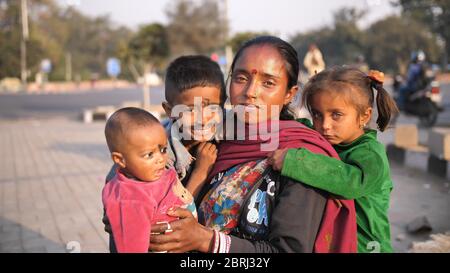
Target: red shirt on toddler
pixel 133 206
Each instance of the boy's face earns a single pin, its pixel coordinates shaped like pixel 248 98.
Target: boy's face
pixel 144 152
pixel 204 111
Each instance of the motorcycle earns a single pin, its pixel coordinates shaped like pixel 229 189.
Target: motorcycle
pixel 425 103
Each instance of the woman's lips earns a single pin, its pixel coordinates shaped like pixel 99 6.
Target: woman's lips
pixel 250 107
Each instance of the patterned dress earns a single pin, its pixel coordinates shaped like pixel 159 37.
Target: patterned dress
pixel 221 206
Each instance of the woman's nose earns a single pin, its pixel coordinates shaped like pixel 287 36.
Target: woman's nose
pixel 251 90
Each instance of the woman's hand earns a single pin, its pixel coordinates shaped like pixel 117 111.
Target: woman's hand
pixel 187 234
pixel 276 159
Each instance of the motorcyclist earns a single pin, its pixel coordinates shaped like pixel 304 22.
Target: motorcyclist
pixel 416 78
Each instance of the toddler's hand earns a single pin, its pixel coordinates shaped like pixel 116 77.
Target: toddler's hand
pixel 276 159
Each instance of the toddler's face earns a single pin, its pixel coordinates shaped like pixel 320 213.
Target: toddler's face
pixel 145 155
pixel 335 119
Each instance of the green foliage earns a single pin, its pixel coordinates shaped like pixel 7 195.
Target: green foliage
pixel 386 45
pixel 339 44
pixel 54 33
pixel 10 40
pixel 200 27
pixel 433 13
pixel 391 41
pixel 148 48
pixel 241 37
pixel 195 28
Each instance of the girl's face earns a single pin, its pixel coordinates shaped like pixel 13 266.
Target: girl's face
pixel 337 119
pixel 259 84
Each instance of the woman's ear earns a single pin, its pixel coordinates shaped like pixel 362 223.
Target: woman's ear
pixel 290 94
pixel 119 159
pixel 167 108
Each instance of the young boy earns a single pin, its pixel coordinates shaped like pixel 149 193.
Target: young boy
pixel 142 190
pixel 190 78
pixel 195 94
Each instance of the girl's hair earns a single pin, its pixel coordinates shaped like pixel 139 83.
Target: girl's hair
pixel 290 57
pixel 358 88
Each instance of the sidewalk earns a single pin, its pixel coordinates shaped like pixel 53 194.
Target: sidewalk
pixel 53 173
pixel 51 177
pixel 415 194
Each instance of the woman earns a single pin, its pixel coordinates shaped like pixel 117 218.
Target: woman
pixel 248 207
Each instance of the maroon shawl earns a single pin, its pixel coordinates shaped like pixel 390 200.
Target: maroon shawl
pixel 337 232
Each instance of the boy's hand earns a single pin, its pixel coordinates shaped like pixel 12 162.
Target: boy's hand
pixel 276 158
pixel 206 157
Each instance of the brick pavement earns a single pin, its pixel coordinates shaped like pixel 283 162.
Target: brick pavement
pixel 51 178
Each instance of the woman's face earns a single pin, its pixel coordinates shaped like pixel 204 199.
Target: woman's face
pixel 259 84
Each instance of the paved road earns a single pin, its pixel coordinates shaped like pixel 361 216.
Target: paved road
pixel 70 105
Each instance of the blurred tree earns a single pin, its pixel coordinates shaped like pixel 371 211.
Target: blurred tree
pixel 241 37
pixel 10 37
pixel 339 44
pixel 347 40
pixel 148 49
pixel 391 41
pixel 90 41
pixel 386 44
pixel 433 13
pixel 195 28
pixel 55 33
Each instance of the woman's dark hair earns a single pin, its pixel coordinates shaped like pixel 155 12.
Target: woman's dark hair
pixel 358 88
pixel 290 59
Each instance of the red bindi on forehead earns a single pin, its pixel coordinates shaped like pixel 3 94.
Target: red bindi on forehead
pixel 254 71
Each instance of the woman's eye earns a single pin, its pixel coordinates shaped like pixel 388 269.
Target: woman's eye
pixel 240 78
pixel 149 155
pixel 269 83
pixel 164 150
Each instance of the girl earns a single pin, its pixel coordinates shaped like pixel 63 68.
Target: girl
pixel 340 102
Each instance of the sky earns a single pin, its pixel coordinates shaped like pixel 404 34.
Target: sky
pixel 284 18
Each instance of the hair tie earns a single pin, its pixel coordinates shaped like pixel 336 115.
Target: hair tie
pixel 376 76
